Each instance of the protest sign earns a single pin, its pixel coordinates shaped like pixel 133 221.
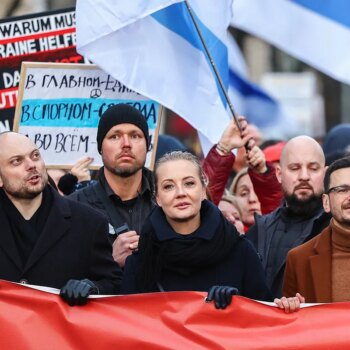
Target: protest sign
pixel 59 106
pixel 46 36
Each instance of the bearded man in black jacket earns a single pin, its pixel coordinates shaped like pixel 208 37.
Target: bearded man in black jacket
pixel 45 238
pixel 124 188
pixel 300 217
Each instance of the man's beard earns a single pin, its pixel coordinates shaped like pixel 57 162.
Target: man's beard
pixel 124 172
pixel 303 207
pixel 24 192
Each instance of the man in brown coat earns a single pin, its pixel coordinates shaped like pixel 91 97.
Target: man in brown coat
pixel 320 269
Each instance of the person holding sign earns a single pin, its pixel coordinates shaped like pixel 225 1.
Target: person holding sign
pixel 45 238
pixel 124 190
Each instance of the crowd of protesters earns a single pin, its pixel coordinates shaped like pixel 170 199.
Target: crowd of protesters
pixel 189 225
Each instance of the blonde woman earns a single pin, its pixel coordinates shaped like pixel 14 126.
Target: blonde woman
pixel 186 242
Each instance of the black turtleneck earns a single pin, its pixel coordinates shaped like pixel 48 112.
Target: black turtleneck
pixel 26 232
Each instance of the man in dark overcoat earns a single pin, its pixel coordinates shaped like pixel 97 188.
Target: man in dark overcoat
pixel 47 239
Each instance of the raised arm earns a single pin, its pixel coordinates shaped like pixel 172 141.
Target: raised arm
pixel 219 161
pixel 263 177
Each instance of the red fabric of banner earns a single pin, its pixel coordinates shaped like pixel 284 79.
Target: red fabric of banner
pixel 32 319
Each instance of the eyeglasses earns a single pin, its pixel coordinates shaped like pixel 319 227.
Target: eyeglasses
pixel 341 190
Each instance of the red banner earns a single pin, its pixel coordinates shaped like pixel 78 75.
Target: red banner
pixel 32 319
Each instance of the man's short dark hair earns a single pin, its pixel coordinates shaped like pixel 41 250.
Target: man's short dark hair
pixel 336 165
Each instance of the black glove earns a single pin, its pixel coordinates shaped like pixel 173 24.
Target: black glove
pixel 76 292
pixel 222 295
pixel 66 183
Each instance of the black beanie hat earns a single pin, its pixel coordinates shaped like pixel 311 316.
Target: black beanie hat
pixel 120 114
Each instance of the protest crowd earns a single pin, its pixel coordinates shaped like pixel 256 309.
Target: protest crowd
pixel 164 230
pixel 266 219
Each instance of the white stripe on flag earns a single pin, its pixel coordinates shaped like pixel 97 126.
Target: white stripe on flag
pixel 100 17
pixel 303 33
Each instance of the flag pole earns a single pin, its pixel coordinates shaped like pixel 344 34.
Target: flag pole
pixel 217 74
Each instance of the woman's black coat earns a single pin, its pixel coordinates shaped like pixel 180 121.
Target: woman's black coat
pixel 239 267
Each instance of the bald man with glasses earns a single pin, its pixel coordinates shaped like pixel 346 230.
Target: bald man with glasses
pixel 320 269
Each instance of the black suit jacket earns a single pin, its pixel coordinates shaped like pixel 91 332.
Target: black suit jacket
pixel 73 245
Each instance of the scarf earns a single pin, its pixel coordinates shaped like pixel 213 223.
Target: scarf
pixel 161 249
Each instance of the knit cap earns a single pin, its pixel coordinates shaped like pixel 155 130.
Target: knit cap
pixel 121 114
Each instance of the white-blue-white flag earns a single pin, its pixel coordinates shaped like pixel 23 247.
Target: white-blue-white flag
pixel 152 47
pixel 316 32
pixel 253 102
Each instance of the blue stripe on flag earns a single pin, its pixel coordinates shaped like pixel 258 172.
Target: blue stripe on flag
pixel 256 105
pixel 177 19
pixel 247 89
pixel 336 10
